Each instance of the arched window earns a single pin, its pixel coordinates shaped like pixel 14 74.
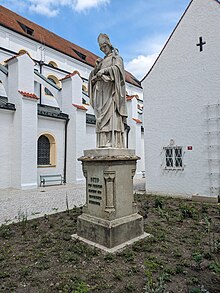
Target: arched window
pixel 46 150
pixel 43 155
pixel 54 80
pixel 53 64
pixel 22 51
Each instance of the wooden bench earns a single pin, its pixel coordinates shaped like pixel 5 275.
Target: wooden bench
pixel 51 178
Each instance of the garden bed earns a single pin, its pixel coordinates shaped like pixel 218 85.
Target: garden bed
pixel 183 254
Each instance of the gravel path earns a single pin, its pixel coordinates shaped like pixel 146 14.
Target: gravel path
pixel 15 204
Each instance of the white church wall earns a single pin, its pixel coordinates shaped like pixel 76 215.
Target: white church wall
pixel 22 77
pixel 80 143
pixel 142 155
pixel 3 38
pixel 28 144
pixel 90 136
pixel 55 128
pixel 23 153
pixel 16 42
pixel 6 122
pixel 176 92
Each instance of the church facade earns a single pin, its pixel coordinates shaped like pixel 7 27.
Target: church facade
pixel 45 114
pixel 182 107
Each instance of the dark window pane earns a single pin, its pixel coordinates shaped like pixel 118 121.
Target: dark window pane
pixel 43 155
pixel 169 157
pixel 178 157
pixel 48 92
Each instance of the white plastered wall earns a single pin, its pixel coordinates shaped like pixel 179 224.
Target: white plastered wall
pixel 55 128
pixel 6 122
pixel 176 92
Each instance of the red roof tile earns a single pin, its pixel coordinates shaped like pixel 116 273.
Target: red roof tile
pixel 70 75
pixel 10 19
pixel 129 98
pixel 80 107
pixel 29 95
pixel 137 120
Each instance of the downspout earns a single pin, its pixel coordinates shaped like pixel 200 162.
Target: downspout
pixel 65 151
pixel 127 128
pixel 41 64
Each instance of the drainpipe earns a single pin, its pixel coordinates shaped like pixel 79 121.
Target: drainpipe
pixel 127 128
pixel 65 151
pixel 41 65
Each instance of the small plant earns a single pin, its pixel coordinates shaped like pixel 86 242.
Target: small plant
pixel 24 272
pixel 55 209
pixel 197 257
pixel 128 255
pixel 152 286
pixel 67 236
pixel 204 210
pixel 4 274
pixel 219 210
pixel 118 275
pixel 215 267
pixel 129 287
pixel 213 244
pixel 67 204
pixel 187 211
pixel 177 253
pixel 158 203
pixel 5 231
pixel 163 213
pixel 179 269
pixel 194 281
pixel 170 271
pixel 144 209
pixel 207 255
pixel 109 257
pixel 152 264
pixel 22 220
pixel 81 288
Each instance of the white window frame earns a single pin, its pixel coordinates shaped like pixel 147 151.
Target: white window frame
pixel 173 157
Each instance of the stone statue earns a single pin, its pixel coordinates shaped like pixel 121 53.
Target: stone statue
pixel 107 96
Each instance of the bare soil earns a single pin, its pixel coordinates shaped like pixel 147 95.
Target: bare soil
pixel 183 254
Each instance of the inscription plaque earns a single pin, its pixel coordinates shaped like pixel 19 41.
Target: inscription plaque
pixel 94 191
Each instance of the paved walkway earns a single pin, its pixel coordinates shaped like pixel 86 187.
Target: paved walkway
pixel 16 203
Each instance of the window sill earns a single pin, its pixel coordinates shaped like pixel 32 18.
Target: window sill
pixel 174 169
pixel 46 166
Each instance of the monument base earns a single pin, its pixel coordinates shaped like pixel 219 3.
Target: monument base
pixel 110 219
pixel 115 249
pixel 109 233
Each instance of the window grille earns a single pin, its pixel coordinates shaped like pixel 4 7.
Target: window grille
pixel 173 157
pixel 43 155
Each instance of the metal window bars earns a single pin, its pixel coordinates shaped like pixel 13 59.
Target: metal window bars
pixel 43 154
pixel 173 157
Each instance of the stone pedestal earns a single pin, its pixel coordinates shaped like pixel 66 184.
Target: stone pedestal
pixel 110 219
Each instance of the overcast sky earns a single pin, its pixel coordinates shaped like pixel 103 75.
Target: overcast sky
pixel 138 28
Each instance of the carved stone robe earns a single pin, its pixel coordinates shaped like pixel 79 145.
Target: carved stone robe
pixel 107 97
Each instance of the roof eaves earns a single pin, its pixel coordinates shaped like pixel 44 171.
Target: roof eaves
pixel 41 31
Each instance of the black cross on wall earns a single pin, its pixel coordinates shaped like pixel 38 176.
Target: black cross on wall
pixel 201 44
